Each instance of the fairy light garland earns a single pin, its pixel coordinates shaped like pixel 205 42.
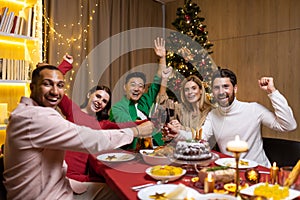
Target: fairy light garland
pixel 75 43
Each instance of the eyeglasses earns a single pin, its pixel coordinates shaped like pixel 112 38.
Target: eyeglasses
pixel 139 85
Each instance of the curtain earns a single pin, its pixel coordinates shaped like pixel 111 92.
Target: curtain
pixel 107 38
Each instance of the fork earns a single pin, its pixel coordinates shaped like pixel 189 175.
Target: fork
pixel 139 187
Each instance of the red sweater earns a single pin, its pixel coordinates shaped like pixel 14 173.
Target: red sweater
pixel 78 166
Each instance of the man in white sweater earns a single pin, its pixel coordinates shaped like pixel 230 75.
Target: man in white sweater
pixel 233 117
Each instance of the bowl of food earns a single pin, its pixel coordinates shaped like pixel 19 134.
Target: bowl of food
pixel 165 172
pixel 158 156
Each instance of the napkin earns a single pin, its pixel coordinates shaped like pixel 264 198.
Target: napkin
pixel 179 192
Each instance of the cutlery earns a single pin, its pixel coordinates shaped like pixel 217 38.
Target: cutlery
pixel 139 187
pixel 263 172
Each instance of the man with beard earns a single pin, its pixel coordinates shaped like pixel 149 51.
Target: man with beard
pixel 234 117
pixel 136 104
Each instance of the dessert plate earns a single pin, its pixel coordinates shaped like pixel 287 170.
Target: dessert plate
pixel 115 157
pixel 146 193
pixel 169 178
pixel 230 162
pixel 154 160
pixel 250 191
pixel 217 196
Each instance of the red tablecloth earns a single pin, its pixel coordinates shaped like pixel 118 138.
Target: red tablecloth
pixel 122 176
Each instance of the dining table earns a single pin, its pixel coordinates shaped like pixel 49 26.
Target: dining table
pixel 122 176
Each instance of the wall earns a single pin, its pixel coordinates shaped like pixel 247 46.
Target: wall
pixel 255 38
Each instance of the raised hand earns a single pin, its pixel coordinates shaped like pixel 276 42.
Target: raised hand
pixel 174 125
pixel 159 47
pixel 267 84
pixel 68 58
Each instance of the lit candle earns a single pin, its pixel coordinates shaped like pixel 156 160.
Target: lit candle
pixel 274 173
pixel 209 184
pixel 237 145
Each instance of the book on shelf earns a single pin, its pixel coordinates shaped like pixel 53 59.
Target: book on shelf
pixel 4 19
pixel 15 24
pixel 4 11
pixel 3 69
pixel 33 25
pixel 22 23
pixel 1 60
pixel 8 69
pixel 28 14
pixel 9 22
pixel 22 73
pixel 12 69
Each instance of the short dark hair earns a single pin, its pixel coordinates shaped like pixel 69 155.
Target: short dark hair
pixel 224 73
pixel 36 72
pixel 136 74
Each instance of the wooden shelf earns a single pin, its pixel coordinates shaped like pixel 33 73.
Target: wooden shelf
pixel 2 126
pixel 9 36
pixel 13 81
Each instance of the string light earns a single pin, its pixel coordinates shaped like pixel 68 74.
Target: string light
pixel 67 43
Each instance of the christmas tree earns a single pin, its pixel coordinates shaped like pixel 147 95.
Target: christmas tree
pixel 189 49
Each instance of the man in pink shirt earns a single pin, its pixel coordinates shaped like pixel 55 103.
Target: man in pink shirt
pixel 37 137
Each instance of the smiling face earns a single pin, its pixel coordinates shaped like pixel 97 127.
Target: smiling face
pixel 48 89
pixel 224 91
pixel 97 101
pixel 192 92
pixel 134 88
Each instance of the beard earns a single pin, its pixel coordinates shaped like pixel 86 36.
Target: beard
pixel 229 99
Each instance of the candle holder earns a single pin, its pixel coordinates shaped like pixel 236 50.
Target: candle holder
pixel 274 170
pixel 237 147
pixel 237 154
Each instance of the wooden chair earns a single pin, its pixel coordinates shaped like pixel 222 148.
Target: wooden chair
pixel 283 152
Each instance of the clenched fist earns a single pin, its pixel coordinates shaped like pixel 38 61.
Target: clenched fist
pixel 267 84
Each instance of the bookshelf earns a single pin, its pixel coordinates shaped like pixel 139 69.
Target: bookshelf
pixel 20 51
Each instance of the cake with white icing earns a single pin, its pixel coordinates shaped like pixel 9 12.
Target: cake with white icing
pixel 192 150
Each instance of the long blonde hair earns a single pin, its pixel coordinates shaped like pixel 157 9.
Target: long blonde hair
pixel 203 102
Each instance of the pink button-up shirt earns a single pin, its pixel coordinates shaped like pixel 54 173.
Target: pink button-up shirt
pixel 36 140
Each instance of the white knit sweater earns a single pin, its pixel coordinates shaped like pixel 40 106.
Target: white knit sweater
pixel 245 119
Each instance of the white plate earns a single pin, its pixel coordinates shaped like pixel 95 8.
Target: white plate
pixel 115 157
pixel 217 196
pixel 169 178
pixel 154 160
pixel 230 162
pixel 250 191
pixel 144 194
